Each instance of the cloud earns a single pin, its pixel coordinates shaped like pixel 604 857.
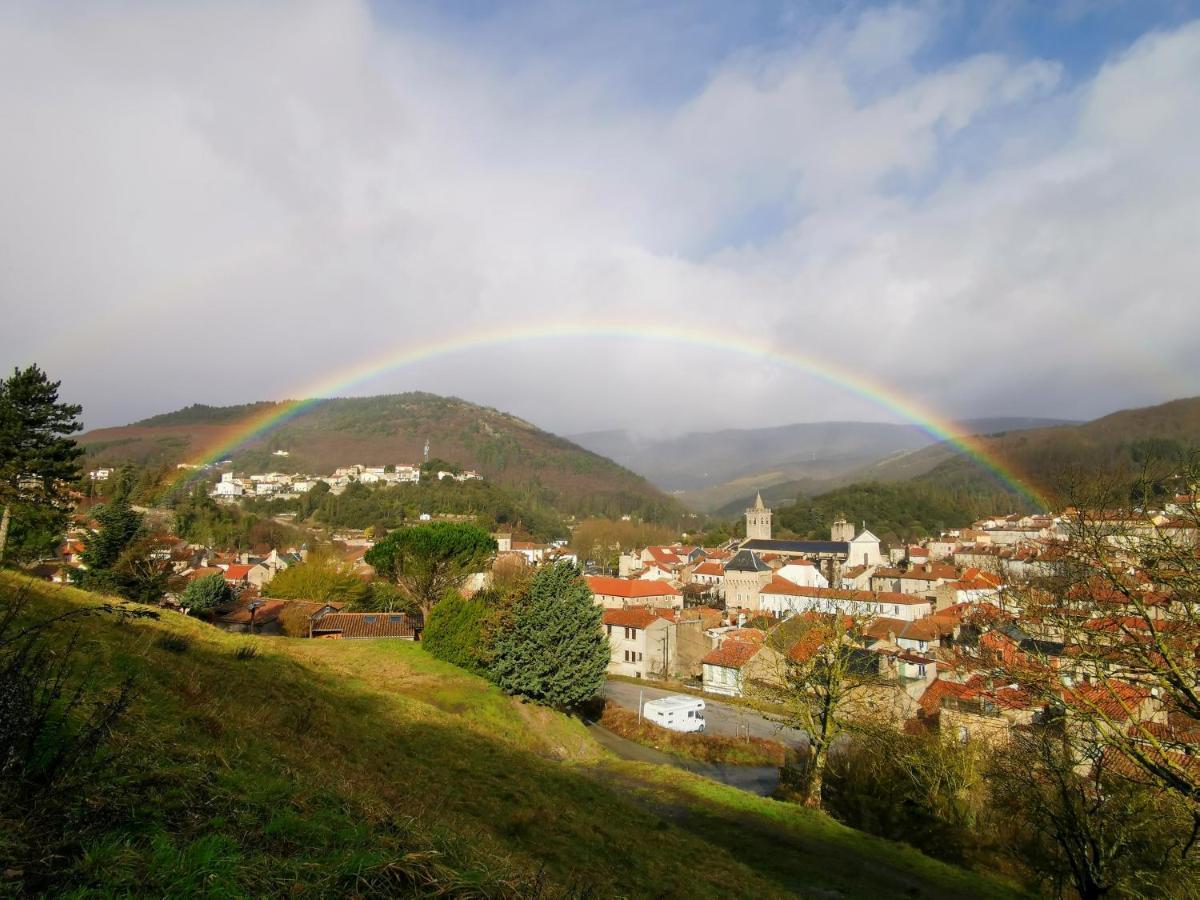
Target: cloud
pixel 225 201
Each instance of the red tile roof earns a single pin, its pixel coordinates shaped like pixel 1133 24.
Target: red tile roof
pixel 783 586
pixel 732 654
pixel 623 587
pixel 632 617
pixel 267 612
pixel 746 635
pixel 366 625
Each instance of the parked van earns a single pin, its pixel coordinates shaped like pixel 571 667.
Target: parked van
pixel 677 712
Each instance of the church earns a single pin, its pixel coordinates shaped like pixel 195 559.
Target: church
pixel 844 548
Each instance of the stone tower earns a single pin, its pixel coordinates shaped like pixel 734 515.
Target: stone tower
pixel 758 520
pixel 842 530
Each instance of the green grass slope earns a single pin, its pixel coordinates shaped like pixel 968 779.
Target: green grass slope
pixel 537 466
pixel 341 768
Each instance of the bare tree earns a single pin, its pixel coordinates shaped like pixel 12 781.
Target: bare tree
pixel 1121 608
pixel 829 683
pixel 1086 827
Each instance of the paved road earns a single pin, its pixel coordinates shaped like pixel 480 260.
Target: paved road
pixel 719 718
pixel 761 780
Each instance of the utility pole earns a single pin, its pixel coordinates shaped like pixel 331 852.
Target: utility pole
pixel 254 612
pixel 641 694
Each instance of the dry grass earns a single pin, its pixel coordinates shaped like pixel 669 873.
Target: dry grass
pixel 705 748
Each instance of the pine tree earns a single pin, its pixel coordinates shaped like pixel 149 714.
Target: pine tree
pixel 553 649
pixel 37 459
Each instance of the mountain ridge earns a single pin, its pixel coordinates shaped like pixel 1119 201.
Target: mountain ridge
pixel 1040 456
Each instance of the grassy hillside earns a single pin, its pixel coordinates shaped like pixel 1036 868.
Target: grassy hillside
pixel 538 467
pixel 321 768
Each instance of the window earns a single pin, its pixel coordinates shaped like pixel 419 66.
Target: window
pixel 921 670
pixel 369 619
pixel 639 657
pixel 609 627
pixel 691 714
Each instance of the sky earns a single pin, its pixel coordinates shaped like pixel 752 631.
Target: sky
pixel 986 208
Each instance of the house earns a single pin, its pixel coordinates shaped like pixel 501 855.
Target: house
pixel 255 617
pixel 228 489
pixel 710 575
pixel 613 593
pixel 977 712
pixel 802 572
pixel 533 553
pixel 641 641
pixel 239 575
pixel 745 575
pixel 784 599
pixel 725 669
pixel 365 626
pixel 71 551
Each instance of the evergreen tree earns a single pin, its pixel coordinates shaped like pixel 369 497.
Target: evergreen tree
pixel 206 593
pixel 38 461
pixel 553 649
pixel 428 561
pixel 116 561
pixel 119 524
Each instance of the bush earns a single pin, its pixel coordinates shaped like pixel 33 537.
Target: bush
pixel 457 631
pixel 53 744
pixel 174 643
pixel 207 593
pixel 707 748
pixel 245 652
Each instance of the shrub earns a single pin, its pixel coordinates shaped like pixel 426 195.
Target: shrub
pixel 245 652
pixel 207 593
pixel 707 748
pixel 53 743
pixel 174 643
pixel 457 632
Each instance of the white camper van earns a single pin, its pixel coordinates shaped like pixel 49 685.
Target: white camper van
pixel 677 712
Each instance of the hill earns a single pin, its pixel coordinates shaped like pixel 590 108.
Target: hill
pixel 539 468
pixel 712 468
pixel 919 492
pixel 1045 456
pixel 319 768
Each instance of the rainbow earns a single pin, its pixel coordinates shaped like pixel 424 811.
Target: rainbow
pixel 345 380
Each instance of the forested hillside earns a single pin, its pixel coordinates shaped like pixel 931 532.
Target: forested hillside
pixel 894 512
pixel 539 469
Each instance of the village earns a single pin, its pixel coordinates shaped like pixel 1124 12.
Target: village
pixel 931 619
pixel 234 486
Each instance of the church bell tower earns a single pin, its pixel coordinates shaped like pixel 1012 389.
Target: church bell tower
pixel 758 520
